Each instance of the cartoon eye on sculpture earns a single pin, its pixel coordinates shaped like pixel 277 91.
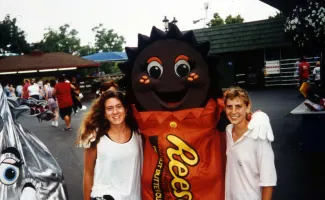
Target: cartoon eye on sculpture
pixel 173 84
pixel 28 171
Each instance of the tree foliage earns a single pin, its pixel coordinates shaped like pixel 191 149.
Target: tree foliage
pixel 277 15
pixel 306 24
pixel 110 68
pixel 86 50
pixel 107 39
pixel 12 38
pixel 64 39
pixel 216 21
pixel 234 20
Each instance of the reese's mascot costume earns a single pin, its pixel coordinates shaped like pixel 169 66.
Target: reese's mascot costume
pixel 28 171
pixel 173 84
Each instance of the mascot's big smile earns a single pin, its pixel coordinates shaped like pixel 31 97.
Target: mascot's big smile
pixel 171 99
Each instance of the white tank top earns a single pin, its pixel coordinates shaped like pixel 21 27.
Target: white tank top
pixel 118 169
pixel 33 90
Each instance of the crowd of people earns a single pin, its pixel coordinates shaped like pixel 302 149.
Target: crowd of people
pixel 62 96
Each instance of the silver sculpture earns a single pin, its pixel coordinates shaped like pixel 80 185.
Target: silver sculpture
pixel 28 171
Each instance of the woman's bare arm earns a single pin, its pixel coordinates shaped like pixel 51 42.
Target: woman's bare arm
pixel 46 95
pixel 90 156
pixel 72 86
pixel 267 193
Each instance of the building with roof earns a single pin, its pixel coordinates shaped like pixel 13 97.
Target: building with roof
pixel 285 6
pixel 37 64
pixel 248 50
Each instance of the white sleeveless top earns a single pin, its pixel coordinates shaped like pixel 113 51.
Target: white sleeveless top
pixel 118 169
pixel 33 89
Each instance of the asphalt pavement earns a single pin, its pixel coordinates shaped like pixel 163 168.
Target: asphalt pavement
pixel 299 145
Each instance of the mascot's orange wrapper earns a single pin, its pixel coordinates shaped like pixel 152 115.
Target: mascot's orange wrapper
pixel 173 84
pixel 180 150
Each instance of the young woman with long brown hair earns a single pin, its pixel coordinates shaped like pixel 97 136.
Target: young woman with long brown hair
pixel 113 154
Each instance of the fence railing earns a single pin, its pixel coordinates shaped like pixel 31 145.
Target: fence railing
pixel 241 79
pixel 288 75
pixel 86 83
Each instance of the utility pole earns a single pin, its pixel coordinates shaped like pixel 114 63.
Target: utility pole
pixel 206 7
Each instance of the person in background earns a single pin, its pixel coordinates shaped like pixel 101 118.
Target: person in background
pixel 34 90
pixel 45 86
pixel 250 169
pixel 296 73
pixel 7 90
pixel 296 65
pixel 52 103
pixel 42 90
pixel 304 69
pixel 75 95
pixel 25 93
pixel 12 90
pixel 316 74
pixel 40 83
pixel 19 90
pixel 108 85
pixel 113 154
pixel 62 91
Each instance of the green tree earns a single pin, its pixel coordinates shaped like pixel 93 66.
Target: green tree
pixel 86 50
pixel 277 15
pixel 216 21
pixel 107 40
pixel 110 68
pixel 234 20
pixel 12 38
pixel 64 39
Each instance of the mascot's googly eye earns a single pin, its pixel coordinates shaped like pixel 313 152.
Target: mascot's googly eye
pixel 9 172
pixel 182 68
pixel 1 123
pixel 154 69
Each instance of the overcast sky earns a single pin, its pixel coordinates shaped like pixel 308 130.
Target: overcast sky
pixel 126 17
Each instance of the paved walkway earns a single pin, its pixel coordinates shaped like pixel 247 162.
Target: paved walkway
pixel 300 165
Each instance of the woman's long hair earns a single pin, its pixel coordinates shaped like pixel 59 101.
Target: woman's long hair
pixel 95 122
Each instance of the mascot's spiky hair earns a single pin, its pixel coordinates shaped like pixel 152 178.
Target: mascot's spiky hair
pixel 172 34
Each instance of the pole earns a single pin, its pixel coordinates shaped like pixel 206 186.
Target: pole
pixel 206 16
pixel 264 67
pixel 322 68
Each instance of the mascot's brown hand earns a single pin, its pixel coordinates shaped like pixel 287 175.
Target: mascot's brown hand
pixel 223 122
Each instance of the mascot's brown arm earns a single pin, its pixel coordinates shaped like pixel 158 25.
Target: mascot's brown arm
pixel 221 126
pixel 223 122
